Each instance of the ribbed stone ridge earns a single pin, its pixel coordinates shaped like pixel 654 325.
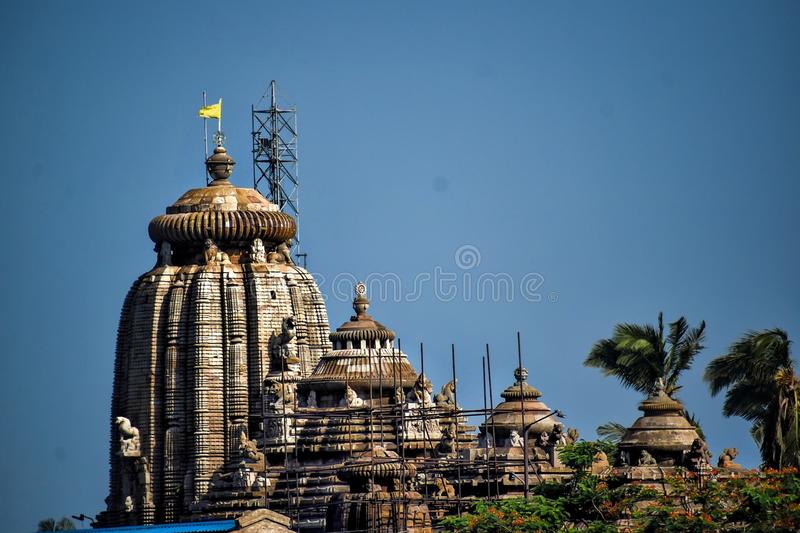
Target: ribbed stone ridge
pixel 378 463
pixel 223 226
pixel 362 367
pixel 222 212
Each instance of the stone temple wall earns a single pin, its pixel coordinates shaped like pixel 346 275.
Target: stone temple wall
pixel 194 345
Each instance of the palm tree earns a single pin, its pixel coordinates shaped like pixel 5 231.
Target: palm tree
pixel 611 432
pixel 763 388
pixel 51 524
pixel 638 355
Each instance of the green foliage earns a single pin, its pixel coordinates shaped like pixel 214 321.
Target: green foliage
pixel 751 501
pixel 51 524
pixel 580 455
pixel 762 502
pixel 638 355
pixel 536 514
pixel 762 387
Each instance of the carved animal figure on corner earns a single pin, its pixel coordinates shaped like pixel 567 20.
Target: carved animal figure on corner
pixel 421 393
pixel 285 251
pixel 443 488
pixel 572 436
pixel 128 436
pixel 645 459
pixel 282 342
pixel 212 253
pixel 351 399
pixel 726 458
pixel 557 437
pixel 699 455
pixel 447 397
pixel 447 446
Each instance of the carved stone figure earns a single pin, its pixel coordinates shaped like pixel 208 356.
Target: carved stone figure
pixel 128 438
pixel 726 458
pixel 572 436
pixel 281 401
pixel 698 456
pixel 258 253
pixel 351 399
pixel 248 449
pixel 447 397
pixel 311 399
pixel 659 388
pixel 624 458
pixel 282 344
pixel 443 488
pixel 282 397
pixel 128 504
pixel 164 254
pixel 212 253
pixel 285 250
pixel 557 437
pixel 246 474
pixel 144 488
pixel 281 254
pixel 645 459
pixel 447 446
pixel 515 440
pixel 543 441
pixel 421 392
pixel 485 440
pixel 399 396
pixel 599 462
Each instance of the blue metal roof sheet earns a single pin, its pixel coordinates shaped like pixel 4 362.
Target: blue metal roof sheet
pixel 217 526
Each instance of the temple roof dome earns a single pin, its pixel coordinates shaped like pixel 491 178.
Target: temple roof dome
pixel 361 326
pixel 662 428
pixel 222 212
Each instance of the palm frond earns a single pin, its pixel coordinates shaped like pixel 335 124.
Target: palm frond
pixel 612 432
pixel 695 423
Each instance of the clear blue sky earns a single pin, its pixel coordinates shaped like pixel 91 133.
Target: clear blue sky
pixel 639 156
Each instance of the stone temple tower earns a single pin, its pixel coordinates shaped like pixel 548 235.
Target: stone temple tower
pixel 198 333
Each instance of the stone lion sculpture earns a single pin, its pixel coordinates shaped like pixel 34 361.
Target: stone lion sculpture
pixel 726 458
pixel 128 437
pixel 351 399
pixel 212 253
pixel 645 459
pixel 447 397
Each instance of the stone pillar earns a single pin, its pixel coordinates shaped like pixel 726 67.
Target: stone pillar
pixel 173 405
pixel 236 404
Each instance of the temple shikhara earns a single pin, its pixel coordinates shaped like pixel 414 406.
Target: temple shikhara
pixel 234 401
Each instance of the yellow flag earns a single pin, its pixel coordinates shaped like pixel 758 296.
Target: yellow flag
pixel 211 111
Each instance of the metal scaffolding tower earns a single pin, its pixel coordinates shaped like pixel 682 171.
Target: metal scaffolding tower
pixel 274 131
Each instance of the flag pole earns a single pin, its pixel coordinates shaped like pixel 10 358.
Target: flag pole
pixel 205 139
pixel 219 120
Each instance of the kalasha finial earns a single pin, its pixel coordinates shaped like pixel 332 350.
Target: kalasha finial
pixel 360 302
pixel 521 374
pixel 220 164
